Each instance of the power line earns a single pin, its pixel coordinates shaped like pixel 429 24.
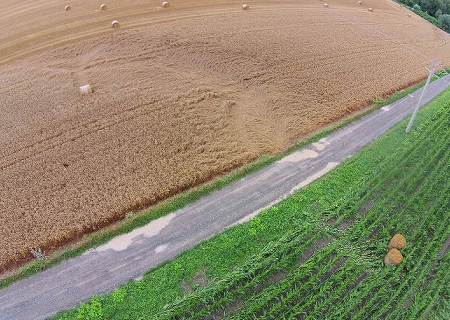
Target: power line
pixel 430 75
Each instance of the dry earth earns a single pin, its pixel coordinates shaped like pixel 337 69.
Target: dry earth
pixel 182 94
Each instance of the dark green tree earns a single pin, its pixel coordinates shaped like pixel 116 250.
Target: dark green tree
pixel 444 19
pixel 432 6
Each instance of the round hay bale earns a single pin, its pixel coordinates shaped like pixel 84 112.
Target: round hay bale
pixel 393 257
pixel 165 4
pixel 398 241
pixel 325 5
pixel 359 2
pixel 370 9
pixel 409 14
pixel 67 8
pixel 115 24
pixel 245 7
pixel 86 89
pixel 103 6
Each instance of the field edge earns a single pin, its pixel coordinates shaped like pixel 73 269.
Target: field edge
pixel 146 215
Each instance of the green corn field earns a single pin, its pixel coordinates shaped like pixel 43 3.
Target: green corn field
pixel 327 263
pixel 345 277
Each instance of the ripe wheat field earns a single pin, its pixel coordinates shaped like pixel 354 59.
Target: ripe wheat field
pixel 181 95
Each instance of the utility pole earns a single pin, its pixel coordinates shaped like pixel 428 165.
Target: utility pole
pixel 430 75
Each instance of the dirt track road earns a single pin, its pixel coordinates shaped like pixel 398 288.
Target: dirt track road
pixel 129 256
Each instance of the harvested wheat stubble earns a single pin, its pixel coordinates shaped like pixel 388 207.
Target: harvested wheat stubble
pixel 179 102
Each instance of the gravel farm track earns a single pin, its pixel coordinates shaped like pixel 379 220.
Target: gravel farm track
pixel 182 94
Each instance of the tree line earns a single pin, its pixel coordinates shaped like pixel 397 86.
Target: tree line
pixel 429 9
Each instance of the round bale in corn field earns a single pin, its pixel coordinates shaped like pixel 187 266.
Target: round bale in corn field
pixel 398 241
pixel 393 257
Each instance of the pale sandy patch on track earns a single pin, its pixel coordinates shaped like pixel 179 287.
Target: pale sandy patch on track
pixel 330 166
pixel 299 156
pixel 122 242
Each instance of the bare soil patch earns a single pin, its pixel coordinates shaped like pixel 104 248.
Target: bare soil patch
pixel 366 207
pixel 308 252
pixel 445 248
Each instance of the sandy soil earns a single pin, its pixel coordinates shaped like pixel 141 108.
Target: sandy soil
pixel 182 94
